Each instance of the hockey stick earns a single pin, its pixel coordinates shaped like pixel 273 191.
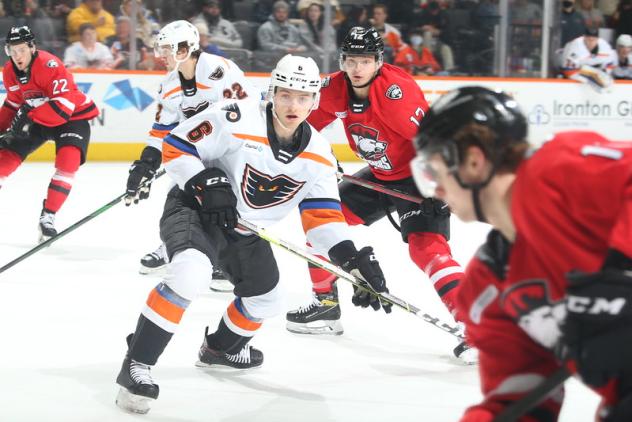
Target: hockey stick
pixel 513 412
pixel 328 266
pixel 74 226
pixel 380 188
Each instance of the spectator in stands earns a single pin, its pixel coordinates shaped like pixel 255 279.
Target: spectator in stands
pixel 172 10
pixel 380 14
pixel 278 34
pixel 205 40
pixel 120 47
pixel 146 25
pixel 434 24
pixel 572 22
pixel 592 16
pixel 414 58
pixel 337 17
pixel 60 8
pixel 221 32
pixel 314 32
pixel 523 11
pixel 623 67
pixel 357 16
pixel 623 18
pixel 23 10
pixel 400 11
pixel 90 11
pixel 88 53
pixel 589 59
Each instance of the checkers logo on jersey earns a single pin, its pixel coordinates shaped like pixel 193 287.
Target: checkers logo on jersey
pixel 369 148
pixel 52 63
pixel 394 92
pixel 264 191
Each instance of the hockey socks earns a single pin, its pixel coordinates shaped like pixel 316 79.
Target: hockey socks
pixel 9 161
pixel 431 253
pixel 235 329
pixel 67 163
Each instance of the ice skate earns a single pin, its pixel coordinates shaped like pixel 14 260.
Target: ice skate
pixel 46 226
pixel 220 282
pixel 321 316
pixel 138 389
pixel 248 357
pixel 154 261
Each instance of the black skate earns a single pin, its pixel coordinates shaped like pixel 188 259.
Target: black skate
pixel 466 353
pixel 46 225
pixel 247 358
pixel 137 387
pixel 321 316
pixel 154 261
pixel 220 282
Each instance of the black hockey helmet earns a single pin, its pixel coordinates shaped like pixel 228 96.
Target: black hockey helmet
pixel 473 104
pixel 19 35
pixel 363 41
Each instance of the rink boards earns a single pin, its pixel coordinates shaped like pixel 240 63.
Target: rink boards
pixel 126 101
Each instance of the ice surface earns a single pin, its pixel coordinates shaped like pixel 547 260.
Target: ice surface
pixel 65 312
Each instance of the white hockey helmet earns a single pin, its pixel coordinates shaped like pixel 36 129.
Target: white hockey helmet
pixel 176 33
pixel 298 73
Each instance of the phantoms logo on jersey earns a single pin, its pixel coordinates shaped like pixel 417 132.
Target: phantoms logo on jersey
pixel 263 191
pixel 369 148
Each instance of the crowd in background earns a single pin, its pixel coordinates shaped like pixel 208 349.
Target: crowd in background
pixel 437 37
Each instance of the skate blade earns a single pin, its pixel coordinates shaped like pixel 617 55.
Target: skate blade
pixel 223 368
pixel 157 270
pixel 221 286
pixel 330 328
pixel 133 403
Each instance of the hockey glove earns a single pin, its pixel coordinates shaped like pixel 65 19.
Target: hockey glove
pixel 218 203
pixel 142 171
pixel 22 124
pixel 364 266
pixel 597 331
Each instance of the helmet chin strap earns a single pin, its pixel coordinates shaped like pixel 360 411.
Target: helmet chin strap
pixel 476 200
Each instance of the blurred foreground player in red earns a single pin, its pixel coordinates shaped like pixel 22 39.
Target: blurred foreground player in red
pixel 552 285
pixel 42 103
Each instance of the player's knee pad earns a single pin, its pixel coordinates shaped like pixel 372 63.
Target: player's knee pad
pixel 189 273
pixel 266 305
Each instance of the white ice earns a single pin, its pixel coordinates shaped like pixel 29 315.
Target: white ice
pixel 65 312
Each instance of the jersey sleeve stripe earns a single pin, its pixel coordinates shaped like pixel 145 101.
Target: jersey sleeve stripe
pixel 320 203
pixel 315 157
pixel 159 126
pixel 66 103
pixel 174 147
pixel 173 91
pixel 11 105
pixel 159 133
pixel 312 218
pixel 202 86
pixel 58 110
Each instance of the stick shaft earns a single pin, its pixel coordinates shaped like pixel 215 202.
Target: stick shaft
pixel 381 188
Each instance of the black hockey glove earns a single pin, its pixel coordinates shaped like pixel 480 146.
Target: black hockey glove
pixel 218 203
pixel 597 331
pixel 22 124
pixel 364 266
pixel 142 171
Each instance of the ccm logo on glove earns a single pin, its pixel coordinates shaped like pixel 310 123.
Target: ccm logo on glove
pixel 215 180
pixel 595 305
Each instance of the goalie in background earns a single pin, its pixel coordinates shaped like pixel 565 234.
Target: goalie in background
pixel 590 60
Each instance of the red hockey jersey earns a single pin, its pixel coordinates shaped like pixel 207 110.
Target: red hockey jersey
pixel 381 134
pixel 49 88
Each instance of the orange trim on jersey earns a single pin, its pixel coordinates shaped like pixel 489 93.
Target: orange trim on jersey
pixel 313 218
pixel 169 311
pixel 260 139
pixel 240 320
pixel 315 157
pixel 169 152
pixel 158 133
pixel 173 91
pixel 201 86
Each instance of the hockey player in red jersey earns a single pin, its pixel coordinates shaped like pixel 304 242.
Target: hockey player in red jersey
pixel 565 285
pixel 42 103
pixel 380 107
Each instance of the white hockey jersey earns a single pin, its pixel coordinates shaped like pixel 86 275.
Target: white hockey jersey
pixel 216 79
pixel 576 55
pixel 269 181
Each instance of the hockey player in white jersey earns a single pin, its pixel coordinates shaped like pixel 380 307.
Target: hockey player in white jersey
pixel 195 81
pixel 260 161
